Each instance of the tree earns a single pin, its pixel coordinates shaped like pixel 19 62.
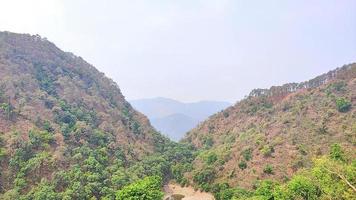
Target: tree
pixel 44 191
pixel 148 188
pixel 343 105
pixel 265 189
pixel 300 187
pixel 335 177
pixel 337 153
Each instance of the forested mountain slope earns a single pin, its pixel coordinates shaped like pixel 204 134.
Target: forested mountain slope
pixel 275 132
pixel 66 131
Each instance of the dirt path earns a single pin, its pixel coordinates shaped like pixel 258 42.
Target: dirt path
pixel 188 192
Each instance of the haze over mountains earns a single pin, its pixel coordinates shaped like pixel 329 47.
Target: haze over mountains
pixel 174 118
pixel 67 132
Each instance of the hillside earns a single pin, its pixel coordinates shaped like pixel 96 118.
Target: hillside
pixel 174 118
pixel 276 132
pixel 66 131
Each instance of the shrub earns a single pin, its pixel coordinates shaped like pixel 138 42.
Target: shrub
pixel 204 176
pixel 210 158
pixel 40 138
pixel 268 169
pixel 247 154
pixel 337 153
pixel 2 153
pixel 267 150
pixel 242 165
pixel 336 87
pixel 208 142
pixel 8 109
pixel 302 149
pixel 136 128
pixel 343 105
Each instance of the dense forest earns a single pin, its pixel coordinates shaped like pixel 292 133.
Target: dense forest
pixel 67 132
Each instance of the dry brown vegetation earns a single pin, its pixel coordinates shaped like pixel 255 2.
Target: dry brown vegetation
pixel 273 133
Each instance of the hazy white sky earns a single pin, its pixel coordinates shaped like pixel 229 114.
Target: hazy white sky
pixel 193 50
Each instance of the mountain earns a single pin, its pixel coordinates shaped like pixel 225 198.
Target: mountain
pixel 175 118
pixel 274 133
pixel 66 131
pixel 175 125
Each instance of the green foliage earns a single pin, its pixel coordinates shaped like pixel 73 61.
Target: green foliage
pixel 45 80
pixel 225 194
pixel 328 179
pixel 210 158
pixel 258 104
pixel 335 178
pixel 336 87
pixel 35 162
pixel 154 165
pixel 178 171
pixel 343 105
pixel 147 189
pixel 47 126
pixel 135 127
pixel 222 191
pixel 242 165
pixel 265 190
pixel 267 150
pixel 208 142
pixel 337 153
pixel 299 187
pixel 268 169
pixel 98 138
pixel 247 154
pixel 204 177
pixel 8 109
pixel 2 153
pixel 44 191
pixel 302 149
pixel 40 138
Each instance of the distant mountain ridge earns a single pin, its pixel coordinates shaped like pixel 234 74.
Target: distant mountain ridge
pixel 175 118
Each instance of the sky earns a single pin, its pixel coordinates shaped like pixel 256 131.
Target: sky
pixel 192 50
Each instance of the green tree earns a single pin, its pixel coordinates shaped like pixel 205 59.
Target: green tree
pixel 301 187
pixel 335 178
pixel 265 190
pixel 343 105
pixel 148 188
pixel 337 153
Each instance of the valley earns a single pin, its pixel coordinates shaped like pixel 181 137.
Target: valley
pixel 174 118
pixel 67 132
